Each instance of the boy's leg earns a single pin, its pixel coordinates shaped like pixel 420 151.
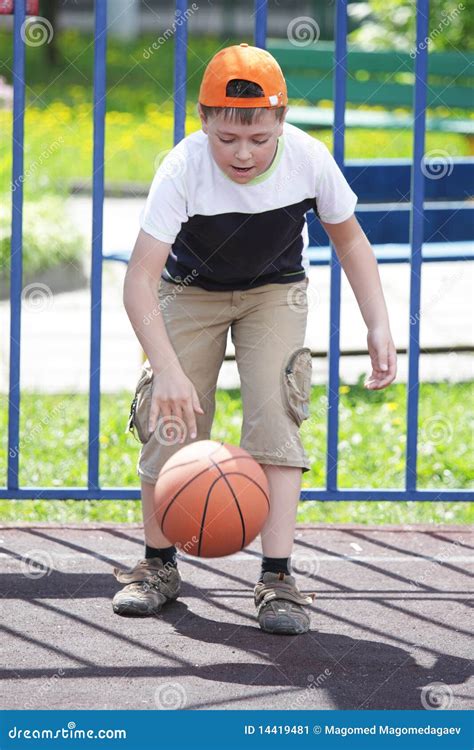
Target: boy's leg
pixel 197 325
pixel 275 372
pixel 277 535
pixel 154 537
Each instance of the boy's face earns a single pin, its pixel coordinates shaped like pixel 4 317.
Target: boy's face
pixel 251 147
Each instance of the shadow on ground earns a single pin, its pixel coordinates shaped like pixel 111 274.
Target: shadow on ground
pixel 389 625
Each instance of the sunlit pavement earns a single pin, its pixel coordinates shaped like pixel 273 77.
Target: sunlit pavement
pixel 390 624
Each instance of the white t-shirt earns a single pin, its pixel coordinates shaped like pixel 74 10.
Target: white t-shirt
pixel 237 236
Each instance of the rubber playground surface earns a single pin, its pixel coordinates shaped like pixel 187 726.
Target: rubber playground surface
pixel 390 624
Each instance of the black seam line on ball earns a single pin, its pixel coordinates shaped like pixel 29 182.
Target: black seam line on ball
pixel 176 497
pixel 241 474
pixel 217 479
pixel 224 476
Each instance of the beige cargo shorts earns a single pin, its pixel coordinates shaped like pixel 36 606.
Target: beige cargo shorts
pixel 267 325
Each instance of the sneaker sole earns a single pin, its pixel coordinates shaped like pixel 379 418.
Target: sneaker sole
pixel 139 609
pixel 135 610
pixel 282 625
pixel 283 629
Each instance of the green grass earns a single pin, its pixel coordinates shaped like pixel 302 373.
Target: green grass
pixel 371 450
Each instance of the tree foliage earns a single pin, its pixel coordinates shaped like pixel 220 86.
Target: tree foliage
pixel 392 25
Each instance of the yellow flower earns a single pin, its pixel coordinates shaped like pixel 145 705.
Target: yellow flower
pixel 344 389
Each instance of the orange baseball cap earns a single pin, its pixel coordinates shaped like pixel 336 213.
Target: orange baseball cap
pixel 250 64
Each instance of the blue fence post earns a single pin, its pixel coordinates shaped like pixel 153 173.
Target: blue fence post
pixel 261 24
pixel 180 66
pixel 100 45
pixel 416 240
pixel 340 72
pixel 16 251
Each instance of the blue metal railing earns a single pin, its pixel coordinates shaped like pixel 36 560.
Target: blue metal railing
pixel 416 241
pixel 16 249
pixel 331 491
pixel 100 43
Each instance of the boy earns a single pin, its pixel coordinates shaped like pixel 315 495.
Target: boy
pixel 223 235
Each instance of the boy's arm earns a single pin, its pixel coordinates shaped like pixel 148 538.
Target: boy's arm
pixel 141 302
pixel 173 392
pixel 360 266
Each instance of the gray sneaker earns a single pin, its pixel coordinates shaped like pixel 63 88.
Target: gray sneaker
pixel 280 605
pixel 150 584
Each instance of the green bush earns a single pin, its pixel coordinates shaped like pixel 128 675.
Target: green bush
pixel 49 236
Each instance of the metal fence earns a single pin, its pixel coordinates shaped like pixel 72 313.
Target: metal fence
pixel 331 491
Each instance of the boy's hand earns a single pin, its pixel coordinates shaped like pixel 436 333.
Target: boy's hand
pixel 173 403
pixel 383 356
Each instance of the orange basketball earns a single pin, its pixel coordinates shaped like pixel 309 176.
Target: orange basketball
pixel 211 499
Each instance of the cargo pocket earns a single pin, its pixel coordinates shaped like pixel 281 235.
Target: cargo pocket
pixel 140 406
pixel 296 384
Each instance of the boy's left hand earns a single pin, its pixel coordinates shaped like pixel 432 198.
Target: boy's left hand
pixel 383 356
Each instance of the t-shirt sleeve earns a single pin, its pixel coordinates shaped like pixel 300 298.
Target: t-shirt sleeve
pixel 335 200
pixel 165 207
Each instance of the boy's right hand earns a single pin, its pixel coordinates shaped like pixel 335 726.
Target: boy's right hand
pixel 174 397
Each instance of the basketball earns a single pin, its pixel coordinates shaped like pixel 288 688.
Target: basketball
pixel 211 499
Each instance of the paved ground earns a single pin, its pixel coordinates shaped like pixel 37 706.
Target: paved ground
pixel 55 329
pixel 390 625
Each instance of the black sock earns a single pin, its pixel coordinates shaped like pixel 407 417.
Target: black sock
pixel 167 554
pixel 275 565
